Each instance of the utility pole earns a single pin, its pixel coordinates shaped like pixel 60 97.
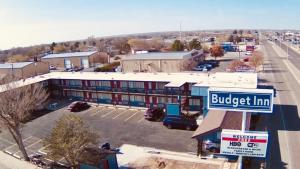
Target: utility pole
pixel 180 31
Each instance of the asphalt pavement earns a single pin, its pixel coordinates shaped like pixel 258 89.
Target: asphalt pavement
pixel 284 124
pixel 293 56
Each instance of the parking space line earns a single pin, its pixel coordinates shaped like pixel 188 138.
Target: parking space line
pixel 141 120
pixel 131 116
pixel 15 144
pixel 91 109
pixel 43 148
pixel 95 113
pixel 30 145
pixel 108 113
pixel 119 114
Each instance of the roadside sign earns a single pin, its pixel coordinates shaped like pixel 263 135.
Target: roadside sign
pixel 249 100
pixel 250 143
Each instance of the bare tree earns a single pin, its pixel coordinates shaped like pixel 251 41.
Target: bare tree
pixel 257 59
pixel 17 103
pixel 235 64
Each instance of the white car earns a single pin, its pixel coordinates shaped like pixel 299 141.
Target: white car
pixel 51 67
pixel 248 53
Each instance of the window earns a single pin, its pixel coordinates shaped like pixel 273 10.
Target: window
pixel 73 82
pixel 137 98
pixel 104 96
pixel 74 94
pixel 94 96
pixel 104 83
pixel 195 102
pixel 161 100
pixel 124 97
pixel 123 84
pixel 94 83
pixel 139 85
pixel 160 85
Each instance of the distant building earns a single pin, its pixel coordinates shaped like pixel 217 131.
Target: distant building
pixel 75 59
pixel 23 70
pixel 159 61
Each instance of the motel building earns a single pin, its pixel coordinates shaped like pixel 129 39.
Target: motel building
pixel 154 90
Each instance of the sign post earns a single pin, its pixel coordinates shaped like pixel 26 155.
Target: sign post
pixel 242 100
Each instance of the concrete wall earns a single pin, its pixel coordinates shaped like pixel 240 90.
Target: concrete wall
pixel 155 65
pixel 27 71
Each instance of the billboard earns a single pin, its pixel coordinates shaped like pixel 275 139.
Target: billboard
pixel 250 100
pixel 250 143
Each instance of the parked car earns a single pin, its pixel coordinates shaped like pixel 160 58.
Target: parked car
pixel 214 63
pixel 246 59
pixel 180 122
pixel 212 146
pixel 203 68
pixel 248 53
pixel 78 106
pixel 154 114
pixel 51 67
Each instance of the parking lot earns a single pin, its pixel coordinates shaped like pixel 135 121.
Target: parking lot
pixel 114 125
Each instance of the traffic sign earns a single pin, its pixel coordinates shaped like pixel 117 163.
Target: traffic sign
pixel 249 100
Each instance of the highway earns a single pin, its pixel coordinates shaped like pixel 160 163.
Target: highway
pixel 284 124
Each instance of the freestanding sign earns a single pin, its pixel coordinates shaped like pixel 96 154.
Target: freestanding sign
pixel 251 144
pixel 249 100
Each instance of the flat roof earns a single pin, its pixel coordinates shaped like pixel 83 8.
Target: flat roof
pixel 157 55
pixel 230 80
pixel 245 80
pixel 16 65
pixel 71 54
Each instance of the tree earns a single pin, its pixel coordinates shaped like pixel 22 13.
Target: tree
pixel 195 44
pixel 69 138
pixel 59 49
pixel 17 103
pixel 52 46
pixel 177 46
pixel 216 51
pixel 257 59
pixel 235 64
pixel 234 32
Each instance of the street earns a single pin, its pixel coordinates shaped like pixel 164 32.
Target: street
pixel 284 124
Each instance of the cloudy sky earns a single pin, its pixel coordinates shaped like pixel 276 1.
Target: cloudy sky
pixel 30 22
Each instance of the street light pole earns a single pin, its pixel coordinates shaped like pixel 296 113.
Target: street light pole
pixel 244 121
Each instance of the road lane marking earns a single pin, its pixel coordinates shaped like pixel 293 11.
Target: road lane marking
pixel 108 113
pixel 122 112
pixel 131 116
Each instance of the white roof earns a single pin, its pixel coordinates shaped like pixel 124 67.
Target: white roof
pixel 16 65
pixel 71 54
pixel 230 80
pixel 157 55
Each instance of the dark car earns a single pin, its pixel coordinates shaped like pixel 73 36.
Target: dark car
pixel 154 114
pixel 78 106
pixel 180 122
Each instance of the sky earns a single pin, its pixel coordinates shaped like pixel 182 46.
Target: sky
pixel 31 22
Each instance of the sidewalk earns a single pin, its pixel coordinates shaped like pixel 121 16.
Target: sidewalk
pixel 9 162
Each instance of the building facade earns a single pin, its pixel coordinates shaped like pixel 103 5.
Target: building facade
pixel 76 59
pixel 159 61
pixel 24 70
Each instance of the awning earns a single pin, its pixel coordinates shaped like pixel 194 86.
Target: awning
pixel 175 84
pixel 217 120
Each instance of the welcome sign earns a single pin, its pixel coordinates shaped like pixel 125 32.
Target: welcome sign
pixel 250 100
